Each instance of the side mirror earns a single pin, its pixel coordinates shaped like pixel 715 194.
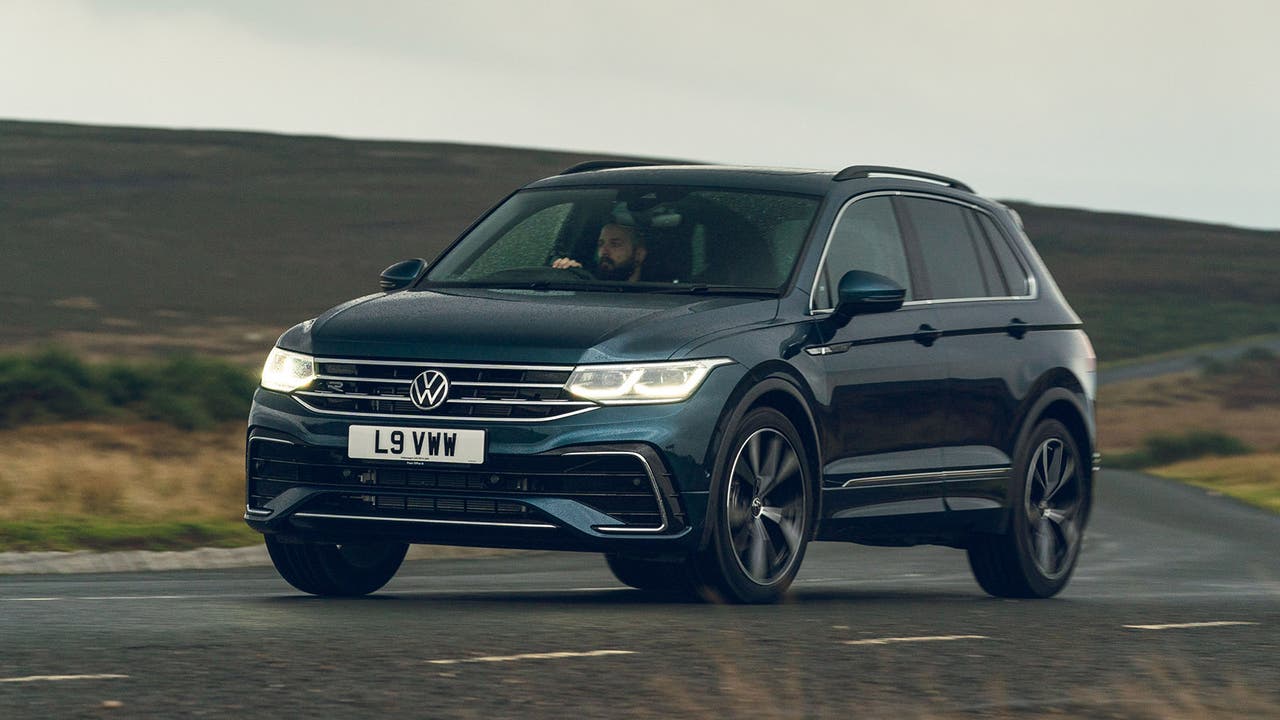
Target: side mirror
pixel 401 275
pixel 863 293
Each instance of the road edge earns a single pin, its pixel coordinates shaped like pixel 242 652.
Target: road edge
pixel 89 562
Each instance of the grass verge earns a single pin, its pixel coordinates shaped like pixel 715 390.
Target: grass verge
pixel 107 534
pixel 1215 429
pixel 1254 479
pixel 97 486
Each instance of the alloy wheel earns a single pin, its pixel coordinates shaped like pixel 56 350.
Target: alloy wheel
pixel 766 506
pixel 1054 504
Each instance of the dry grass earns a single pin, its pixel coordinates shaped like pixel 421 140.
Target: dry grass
pixel 1252 478
pixel 1176 404
pixel 135 472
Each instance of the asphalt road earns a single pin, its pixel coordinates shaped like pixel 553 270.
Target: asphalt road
pixel 1185 361
pixel 869 632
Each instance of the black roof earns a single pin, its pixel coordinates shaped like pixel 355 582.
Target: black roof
pixel 809 182
pixel 793 180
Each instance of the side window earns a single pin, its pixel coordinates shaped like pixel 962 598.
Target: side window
pixel 866 237
pixel 950 257
pixel 1014 273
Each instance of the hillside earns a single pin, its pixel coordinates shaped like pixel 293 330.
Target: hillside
pixel 137 241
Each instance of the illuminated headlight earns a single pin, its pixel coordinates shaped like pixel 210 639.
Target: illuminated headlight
pixel 641 383
pixel 287 371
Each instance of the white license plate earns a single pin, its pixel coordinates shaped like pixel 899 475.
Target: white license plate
pixel 367 442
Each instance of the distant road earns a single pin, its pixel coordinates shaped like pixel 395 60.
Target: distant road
pixel 1174 612
pixel 1183 361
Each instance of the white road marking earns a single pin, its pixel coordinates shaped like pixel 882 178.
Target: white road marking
pixel 115 597
pixel 1183 626
pixel 135 597
pixel 927 638
pixel 60 678
pixel 532 656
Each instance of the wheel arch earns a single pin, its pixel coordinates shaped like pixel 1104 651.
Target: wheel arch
pixel 774 385
pixel 1060 396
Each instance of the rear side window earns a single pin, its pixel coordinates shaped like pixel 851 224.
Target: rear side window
pixel 1015 275
pixel 951 259
pixel 866 237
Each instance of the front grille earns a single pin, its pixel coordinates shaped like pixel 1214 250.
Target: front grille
pixel 489 392
pixel 618 485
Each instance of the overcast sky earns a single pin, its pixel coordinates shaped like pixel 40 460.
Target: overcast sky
pixel 1167 108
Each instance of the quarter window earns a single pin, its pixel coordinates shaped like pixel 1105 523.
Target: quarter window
pixel 866 237
pixel 1014 274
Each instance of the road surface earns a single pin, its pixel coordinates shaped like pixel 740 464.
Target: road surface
pixel 1173 612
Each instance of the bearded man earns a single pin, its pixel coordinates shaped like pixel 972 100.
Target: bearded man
pixel 620 254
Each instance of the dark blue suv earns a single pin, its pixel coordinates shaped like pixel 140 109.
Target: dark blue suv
pixel 695 370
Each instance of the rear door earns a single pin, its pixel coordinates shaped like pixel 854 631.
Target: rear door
pixel 979 288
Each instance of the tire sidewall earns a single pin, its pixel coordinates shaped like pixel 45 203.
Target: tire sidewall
pixel 1020 522
pixel 719 566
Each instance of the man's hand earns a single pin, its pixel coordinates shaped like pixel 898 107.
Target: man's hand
pixel 565 263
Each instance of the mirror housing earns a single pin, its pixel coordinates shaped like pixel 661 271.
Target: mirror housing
pixel 401 275
pixel 863 293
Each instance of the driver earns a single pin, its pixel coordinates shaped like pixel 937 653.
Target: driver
pixel 620 254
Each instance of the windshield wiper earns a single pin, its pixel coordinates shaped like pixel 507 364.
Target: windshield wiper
pixel 706 289
pixel 542 286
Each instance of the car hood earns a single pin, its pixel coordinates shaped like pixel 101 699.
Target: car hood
pixel 475 325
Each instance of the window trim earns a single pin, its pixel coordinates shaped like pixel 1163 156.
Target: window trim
pixel 1032 286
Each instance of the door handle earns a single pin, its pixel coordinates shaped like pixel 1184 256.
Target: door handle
pixel 1016 328
pixel 927 335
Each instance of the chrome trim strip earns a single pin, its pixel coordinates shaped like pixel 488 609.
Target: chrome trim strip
pixel 253 511
pixel 442 417
pixel 397 381
pixel 822 260
pixel 507 384
pixel 327 516
pixel 428 364
pixel 943 475
pixel 657 493
pixel 488 401
pixel 271 439
pixel 464 401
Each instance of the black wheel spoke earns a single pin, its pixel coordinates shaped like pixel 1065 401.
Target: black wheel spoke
pixel 787 526
pixel 758 550
pixel 1067 472
pixel 1046 545
pixel 753 457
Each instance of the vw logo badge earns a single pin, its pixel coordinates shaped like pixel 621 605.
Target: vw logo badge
pixel 429 390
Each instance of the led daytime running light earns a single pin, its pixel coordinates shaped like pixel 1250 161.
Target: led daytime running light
pixel 641 383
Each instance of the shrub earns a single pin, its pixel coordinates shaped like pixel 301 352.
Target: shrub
pixel 187 392
pixel 1162 449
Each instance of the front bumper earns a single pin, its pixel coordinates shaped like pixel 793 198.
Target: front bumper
pixel 630 479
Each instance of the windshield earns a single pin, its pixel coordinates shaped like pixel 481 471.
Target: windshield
pixel 643 238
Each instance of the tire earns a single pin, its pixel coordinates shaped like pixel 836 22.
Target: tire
pixel 761 512
pixel 1051 496
pixel 655 576
pixel 336 570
